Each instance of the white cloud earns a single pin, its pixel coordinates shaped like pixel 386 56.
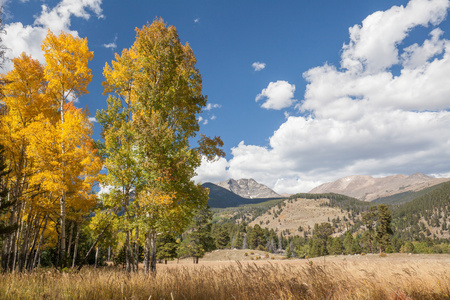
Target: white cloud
pixel 92 120
pixel 373 45
pixel 202 120
pixel 197 20
pixel 28 38
pixel 294 185
pixel 211 106
pixel 105 189
pixel 277 95
pixel 361 118
pixel 212 171
pixel 258 66
pixel 112 45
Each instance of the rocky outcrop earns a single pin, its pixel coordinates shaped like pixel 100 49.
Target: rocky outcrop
pixel 248 188
pixel 368 188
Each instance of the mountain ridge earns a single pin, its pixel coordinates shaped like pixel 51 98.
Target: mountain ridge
pixel 369 188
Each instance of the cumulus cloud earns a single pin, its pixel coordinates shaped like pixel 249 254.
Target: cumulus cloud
pixel 277 95
pixel 28 38
pixel 197 20
pixel 258 66
pixel 212 171
pixel 360 118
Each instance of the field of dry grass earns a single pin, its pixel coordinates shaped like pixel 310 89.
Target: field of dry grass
pixel 343 277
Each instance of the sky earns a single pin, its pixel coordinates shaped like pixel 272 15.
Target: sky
pixel 301 92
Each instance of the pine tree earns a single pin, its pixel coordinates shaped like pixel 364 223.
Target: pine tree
pixel 336 246
pixel 166 247
pixel 348 243
pixel 384 229
pixel 198 239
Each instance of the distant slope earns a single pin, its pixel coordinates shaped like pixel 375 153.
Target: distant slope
pixel 426 215
pixel 337 200
pixel 248 188
pixel 245 212
pixel 220 197
pixel 406 196
pixel 368 188
pixel 297 216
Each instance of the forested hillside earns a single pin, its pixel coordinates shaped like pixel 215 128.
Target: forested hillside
pixel 420 225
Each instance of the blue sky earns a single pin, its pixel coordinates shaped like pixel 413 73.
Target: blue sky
pixel 301 92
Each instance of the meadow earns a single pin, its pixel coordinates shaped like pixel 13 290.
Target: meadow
pixel 397 276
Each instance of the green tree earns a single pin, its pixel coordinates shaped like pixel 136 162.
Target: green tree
pixel 157 92
pixel 348 243
pixel 256 237
pixel 370 219
pixel 384 229
pixel 288 251
pixel 198 239
pixel 336 246
pixel 167 247
pixel 409 247
pixel 318 244
pixel 221 237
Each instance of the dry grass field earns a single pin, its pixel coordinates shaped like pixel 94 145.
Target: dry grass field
pixel 397 276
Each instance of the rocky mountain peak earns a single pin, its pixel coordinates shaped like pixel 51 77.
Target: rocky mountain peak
pixel 248 188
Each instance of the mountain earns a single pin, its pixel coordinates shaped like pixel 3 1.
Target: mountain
pixel 248 188
pixel 368 188
pixel 220 197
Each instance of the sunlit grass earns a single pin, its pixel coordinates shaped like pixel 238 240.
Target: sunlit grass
pixel 375 279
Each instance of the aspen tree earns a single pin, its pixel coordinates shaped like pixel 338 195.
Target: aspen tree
pixel 151 117
pixel 67 76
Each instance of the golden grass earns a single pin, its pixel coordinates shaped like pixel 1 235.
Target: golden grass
pixel 340 278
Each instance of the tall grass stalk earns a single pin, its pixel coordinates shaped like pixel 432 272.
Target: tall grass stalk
pixel 262 280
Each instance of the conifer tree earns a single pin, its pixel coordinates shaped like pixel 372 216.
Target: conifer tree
pixel 384 229
pixel 198 239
